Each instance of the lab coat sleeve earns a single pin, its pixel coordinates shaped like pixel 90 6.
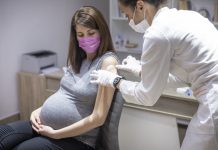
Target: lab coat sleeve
pixel 155 59
pixel 127 88
pixel 174 82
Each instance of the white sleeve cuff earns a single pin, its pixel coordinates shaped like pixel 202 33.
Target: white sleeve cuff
pixel 127 89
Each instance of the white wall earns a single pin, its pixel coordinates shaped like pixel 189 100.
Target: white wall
pixel 27 25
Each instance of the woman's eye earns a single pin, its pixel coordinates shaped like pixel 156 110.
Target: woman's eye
pixel 91 33
pixel 79 35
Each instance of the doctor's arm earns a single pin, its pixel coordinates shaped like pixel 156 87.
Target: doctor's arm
pixel 97 117
pixel 174 82
pixel 156 58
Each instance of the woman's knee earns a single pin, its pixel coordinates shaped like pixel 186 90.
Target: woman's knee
pixel 6 141
pixel 14 133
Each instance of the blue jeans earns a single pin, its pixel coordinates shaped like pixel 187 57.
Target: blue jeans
pixel 20 136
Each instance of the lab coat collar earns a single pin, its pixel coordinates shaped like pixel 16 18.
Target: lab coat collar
pixel 155 16
pixel 159 11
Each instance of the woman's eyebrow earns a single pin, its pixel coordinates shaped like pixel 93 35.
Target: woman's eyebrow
pixel 90 30
pixel 79 32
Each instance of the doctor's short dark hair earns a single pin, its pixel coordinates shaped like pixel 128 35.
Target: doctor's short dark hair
pixel 132 3
pixel 90 17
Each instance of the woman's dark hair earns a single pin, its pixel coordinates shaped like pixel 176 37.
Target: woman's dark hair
pixel 132 3
pixel 89 17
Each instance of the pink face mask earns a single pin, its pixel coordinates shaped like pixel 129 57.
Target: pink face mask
pixel 89 44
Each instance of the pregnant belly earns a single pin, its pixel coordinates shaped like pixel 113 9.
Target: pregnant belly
pixel 58 111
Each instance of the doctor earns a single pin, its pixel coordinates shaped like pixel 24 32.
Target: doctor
pixel 179 47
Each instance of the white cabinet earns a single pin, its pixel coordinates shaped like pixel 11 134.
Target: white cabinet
pixel 125 40
pixel 121 33
pixel 144 130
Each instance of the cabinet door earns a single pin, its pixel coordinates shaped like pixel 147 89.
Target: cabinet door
pixel 31 93
pixel 143 130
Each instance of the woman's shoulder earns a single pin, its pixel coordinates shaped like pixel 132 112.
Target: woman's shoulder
pixel 107 59
pixel 110 60
pixel 110 55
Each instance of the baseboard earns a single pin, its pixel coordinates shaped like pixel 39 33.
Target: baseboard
pixel 12 118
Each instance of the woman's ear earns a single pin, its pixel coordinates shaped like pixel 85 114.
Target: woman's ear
pixel 140 5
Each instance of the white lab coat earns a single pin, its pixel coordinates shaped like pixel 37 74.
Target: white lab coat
pixel 184 44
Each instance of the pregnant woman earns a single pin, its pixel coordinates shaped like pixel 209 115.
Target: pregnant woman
pixel 69 119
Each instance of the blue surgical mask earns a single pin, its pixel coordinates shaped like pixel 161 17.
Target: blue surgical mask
pixel 140 27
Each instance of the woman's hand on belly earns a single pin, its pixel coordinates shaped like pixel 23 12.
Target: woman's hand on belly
pixel 48 131
pixel 35 120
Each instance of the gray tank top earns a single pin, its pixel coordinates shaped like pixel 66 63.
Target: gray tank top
pixel 74 100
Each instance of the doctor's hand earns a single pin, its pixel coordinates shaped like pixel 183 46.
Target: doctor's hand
pixel 130 64
pixel 103 77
